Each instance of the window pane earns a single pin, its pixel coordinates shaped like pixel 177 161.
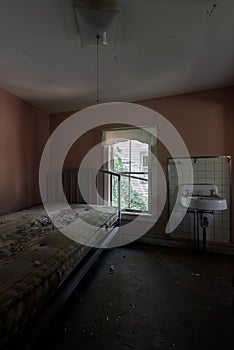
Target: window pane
pixel 139 156
pixel 139 193
pixel 131 157
pixel 125 193
pixel 115 192
pixel 121 156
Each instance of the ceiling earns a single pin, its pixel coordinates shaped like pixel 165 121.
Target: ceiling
pixel 164 47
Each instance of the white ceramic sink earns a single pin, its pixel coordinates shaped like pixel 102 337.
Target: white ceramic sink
pixel 204 197
pixel 204 202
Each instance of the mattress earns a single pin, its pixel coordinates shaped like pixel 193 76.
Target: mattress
pixel 35 258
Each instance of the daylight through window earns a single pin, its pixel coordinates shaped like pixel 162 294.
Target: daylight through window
pixel 128 152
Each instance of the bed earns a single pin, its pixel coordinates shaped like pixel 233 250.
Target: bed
pixel 36 259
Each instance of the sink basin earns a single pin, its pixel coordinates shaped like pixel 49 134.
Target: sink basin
pixel 203 202
pixel 201 197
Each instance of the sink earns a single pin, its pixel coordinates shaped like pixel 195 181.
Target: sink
pixel 203 202
pixel 204 197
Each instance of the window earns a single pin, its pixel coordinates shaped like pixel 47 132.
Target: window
pixel 144 162
pixel 128 152
pixel 134 181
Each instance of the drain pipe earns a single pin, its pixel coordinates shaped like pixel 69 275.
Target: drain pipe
pixel 195 229
pixel 204 224
pixel 196 235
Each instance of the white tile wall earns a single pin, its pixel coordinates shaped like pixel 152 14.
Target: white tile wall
pixel 210 170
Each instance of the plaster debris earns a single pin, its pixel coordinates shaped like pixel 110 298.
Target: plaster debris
pixel 111 269
pixel 196 274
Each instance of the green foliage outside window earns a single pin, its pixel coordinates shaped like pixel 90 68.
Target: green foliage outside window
pixel 136 201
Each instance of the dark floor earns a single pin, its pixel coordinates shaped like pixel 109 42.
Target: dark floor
pixel 148 297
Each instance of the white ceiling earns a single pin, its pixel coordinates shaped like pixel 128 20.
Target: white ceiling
pixel 164 47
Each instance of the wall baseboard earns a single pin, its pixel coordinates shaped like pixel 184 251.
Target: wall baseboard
pixel 222 248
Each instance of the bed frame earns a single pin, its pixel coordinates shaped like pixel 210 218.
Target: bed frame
pixel 24 333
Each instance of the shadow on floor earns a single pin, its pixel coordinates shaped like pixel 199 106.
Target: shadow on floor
pixel 148 297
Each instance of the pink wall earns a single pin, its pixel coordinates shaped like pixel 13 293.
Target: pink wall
pixel 205 121
pixel 23 134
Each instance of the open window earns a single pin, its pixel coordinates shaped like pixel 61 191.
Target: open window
pixel 130 152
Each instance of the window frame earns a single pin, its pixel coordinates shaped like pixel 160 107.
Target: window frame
pixel 152 172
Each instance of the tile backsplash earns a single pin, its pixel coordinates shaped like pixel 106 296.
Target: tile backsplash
pixel 207 170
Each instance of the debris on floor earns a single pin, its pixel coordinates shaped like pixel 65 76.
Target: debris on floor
pixel 143 308
pixel 111 269
pixel 196 274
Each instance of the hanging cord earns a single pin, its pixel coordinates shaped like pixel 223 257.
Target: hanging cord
pixel 97 68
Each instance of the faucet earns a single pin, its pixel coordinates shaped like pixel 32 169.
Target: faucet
pixel 187 193
pixel 212 192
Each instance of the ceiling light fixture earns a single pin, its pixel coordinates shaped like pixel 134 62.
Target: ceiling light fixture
pixel 97 28
pixel 97 36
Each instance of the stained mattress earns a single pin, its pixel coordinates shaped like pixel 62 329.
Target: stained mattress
pixel 35 258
